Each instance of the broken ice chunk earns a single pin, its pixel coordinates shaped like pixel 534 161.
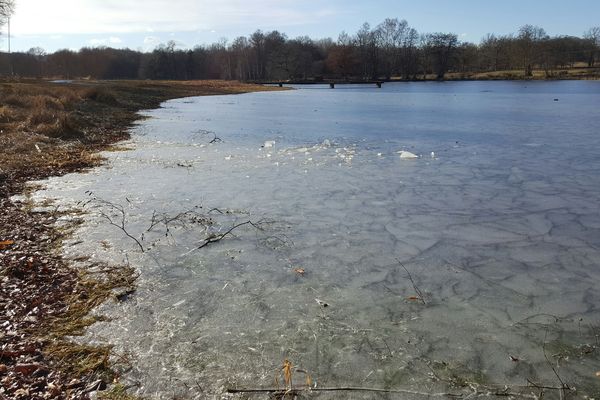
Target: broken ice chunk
pixel 269 143
pixel 407 155
pixel 322 303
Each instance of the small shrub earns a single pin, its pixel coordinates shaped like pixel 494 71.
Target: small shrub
pixel 14 100
pixel 6 114
pixel 44 102
pixel 101 95
pixel 63 127
pixel 42 116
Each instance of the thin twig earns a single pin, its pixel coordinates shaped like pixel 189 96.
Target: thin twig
pixel 414 285
pixel 538 386
pixel 215 139
pixel 563 385
pixel 217 238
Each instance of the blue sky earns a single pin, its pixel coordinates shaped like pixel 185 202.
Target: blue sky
pixel 144 24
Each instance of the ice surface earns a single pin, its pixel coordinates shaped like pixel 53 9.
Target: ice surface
pixel 499 231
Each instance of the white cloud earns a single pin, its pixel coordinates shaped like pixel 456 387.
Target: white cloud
pixel 131 16
pixel 105 41
pixel 151 40
pixel 97 42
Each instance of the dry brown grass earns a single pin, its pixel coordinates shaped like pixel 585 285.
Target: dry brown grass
pixel 28 109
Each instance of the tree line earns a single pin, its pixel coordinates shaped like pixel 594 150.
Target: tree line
pixel 391 50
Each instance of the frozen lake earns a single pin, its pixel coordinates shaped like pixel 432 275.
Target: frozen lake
pixel 476 264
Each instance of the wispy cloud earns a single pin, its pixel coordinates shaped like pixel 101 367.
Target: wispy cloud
pixel 131 16
pixel 150 42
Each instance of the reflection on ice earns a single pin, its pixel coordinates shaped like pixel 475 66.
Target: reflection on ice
pixel 499 237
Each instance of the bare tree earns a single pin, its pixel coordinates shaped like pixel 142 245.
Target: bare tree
pixel 341 59
pixel 410 53
pixel 366 45
pixel 391 34
pixel 530 45
pixel 440 49
pixel 7 7
pixel 593 37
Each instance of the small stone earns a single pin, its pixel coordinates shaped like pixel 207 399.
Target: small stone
pixel 3 369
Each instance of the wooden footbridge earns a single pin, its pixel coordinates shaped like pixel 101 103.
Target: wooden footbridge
pixel 331 83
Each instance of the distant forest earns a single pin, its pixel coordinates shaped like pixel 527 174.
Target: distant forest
pixel 390 50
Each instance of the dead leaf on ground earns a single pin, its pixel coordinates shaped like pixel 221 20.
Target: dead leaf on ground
pixel 6 243
pixel 299 271
pixel 414 298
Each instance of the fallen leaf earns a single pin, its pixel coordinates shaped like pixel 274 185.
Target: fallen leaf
pixel 513 358
pixel 414 298
pixel 299 271
pixel 6 243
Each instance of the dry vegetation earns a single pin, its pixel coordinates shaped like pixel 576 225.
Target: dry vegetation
pixel 577 73
pixel 50 129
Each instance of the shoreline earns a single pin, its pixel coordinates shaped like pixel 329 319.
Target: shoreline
pixel 50 129
pixel 575 74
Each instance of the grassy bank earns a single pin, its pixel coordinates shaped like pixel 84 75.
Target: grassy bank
pixel 579 73
pixel 49 129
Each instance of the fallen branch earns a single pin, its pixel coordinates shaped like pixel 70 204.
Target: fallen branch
pixel 191 215
pixel 342 389
pixel 214 238
pixel 564 386
pixel 538 386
